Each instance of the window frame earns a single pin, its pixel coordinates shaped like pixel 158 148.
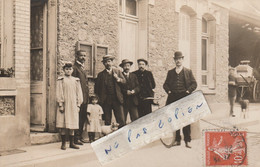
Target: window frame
pixel 205 36
pixel 94 55
pixel 7 34
pixel 210 36
pixel 124 15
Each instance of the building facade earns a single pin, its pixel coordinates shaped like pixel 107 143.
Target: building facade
pixel 45 33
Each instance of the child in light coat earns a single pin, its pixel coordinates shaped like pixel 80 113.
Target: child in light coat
pixel 94 114
pixel 69 99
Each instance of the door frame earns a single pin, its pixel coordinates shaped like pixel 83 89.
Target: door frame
pixel 51 65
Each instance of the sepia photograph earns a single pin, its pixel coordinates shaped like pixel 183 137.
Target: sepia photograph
pixel 129 83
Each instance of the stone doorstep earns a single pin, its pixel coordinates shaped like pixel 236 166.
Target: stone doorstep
pixel 44 138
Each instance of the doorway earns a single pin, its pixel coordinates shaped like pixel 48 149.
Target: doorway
pixel 38 65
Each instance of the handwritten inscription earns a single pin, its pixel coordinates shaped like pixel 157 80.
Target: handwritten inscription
pixel 151 127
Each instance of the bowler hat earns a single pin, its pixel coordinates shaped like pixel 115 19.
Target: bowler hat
pixel 177 55
pixel 145 61
pixel 124 62
pixel 108 57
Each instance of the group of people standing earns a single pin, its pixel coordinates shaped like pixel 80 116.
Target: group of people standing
pixel 120 91
pixel 124 92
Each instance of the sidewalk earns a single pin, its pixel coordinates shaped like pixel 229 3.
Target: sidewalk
pixel 154 154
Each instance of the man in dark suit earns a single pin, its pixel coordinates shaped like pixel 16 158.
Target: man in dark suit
pixel 108 88
pixel 130 90
pixel 80 72
pixel 179 83
pixel 147 84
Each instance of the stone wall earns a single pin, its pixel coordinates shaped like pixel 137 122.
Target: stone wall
pixel 94 22
pixel 163 39
pixel 222 54
pixel 162 42
pixel 89 21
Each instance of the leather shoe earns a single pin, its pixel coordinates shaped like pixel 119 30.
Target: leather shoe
pixel 177 143
pixel 187 145
pixel 84 141
pixel 77 142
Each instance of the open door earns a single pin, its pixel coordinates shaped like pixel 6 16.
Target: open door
pixel 38 65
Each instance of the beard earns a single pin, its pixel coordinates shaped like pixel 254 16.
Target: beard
pixel 126 70
pixel 81 60
pixel 141 68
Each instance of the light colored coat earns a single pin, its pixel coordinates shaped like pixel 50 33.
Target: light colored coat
pixel 70 94
pixel 95 116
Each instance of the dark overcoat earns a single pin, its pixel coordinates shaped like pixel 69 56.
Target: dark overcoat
pixel 190 82
pixel 100 85
pixel 146 82
pixel 80 73
pixel 131 84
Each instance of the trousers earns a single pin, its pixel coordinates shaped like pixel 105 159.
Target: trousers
pixel 131 108
pixel 186 130
pixel 144 107
pixel 111 103
pixel 82 120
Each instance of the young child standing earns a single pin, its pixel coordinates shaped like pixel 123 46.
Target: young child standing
pixel 94 114
pixel 69 99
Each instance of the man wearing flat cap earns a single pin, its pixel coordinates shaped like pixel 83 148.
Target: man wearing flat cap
pixel 80 72
pixel 108 88
pixel 179 83
pixel 147 84
pixel 130 90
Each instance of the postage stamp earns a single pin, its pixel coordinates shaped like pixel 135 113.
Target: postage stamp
pixel 225 148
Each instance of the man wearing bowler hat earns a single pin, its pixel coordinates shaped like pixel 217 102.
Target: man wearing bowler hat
pixel 108 88
pixel 130 90
pixel 179 83
pixel 147 84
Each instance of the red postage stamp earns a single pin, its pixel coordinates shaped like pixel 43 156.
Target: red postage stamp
pixel 226 148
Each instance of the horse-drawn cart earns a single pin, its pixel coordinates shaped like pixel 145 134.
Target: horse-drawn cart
pixel 247 84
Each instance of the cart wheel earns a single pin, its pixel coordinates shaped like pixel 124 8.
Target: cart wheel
pixel 256 91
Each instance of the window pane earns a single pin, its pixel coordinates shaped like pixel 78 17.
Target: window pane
pixel 204 26
pixel 204 80
pixel 187 27
pixel 204 54
pixel 37 27
pixel 120 6
pixel 131 7
pixel 37 65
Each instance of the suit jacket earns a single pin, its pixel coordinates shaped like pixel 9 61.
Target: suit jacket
pixel 131 84
pixel 190 82
pixel 100 85
pixel 82 75
pixel 146 82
